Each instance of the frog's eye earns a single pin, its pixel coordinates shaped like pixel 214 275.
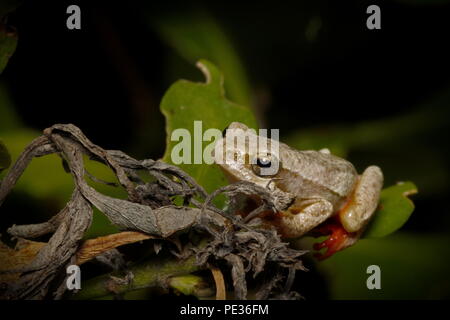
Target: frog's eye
pixel 266 166
pixel 263 162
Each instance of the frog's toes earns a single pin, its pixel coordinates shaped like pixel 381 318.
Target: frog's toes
pixel 338 239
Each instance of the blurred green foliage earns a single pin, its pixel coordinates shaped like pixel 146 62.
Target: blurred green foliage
pixel 375 134
pixel 5 158
pixel 197 35
pixel 412 267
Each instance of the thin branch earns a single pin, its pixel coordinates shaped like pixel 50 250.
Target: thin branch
pixel 148 274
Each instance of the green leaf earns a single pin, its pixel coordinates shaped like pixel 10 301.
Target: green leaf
pixel 8 44
pixel 196 35
pixel 5 158
pixel 394 210
pixel 186 102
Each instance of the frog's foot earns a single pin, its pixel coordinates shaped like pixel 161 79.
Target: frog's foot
pixel 338 239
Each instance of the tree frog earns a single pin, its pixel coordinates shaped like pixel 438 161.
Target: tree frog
pixel 329 197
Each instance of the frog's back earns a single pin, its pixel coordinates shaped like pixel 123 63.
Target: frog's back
pixel 322 171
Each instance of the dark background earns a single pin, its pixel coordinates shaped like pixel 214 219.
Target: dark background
pixel 349 74
pixel 109 77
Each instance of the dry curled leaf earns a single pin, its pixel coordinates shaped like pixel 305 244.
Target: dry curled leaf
pixel 14 258
pixel 147 208
pixel 221 293
pixel 94 247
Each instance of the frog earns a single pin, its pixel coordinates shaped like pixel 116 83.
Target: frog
pixel 328 196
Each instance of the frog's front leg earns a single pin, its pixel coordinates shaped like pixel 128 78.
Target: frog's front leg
pixel 303 216
pixel 364 200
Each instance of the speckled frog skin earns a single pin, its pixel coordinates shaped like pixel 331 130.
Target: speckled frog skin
pixel 322 184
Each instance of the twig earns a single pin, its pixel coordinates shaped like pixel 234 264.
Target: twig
pixel 148 274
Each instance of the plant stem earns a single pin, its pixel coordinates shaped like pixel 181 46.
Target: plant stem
pixel 147 274
pixel 192 285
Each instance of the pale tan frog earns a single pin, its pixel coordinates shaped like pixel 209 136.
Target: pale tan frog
pixel 327 190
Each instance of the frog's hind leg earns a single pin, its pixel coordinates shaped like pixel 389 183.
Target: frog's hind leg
pixel 364 200
pixel 346 228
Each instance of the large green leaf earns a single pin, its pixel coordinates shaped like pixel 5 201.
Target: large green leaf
pixel 5 158
pixel 394 210
pixel 186 102
pixel 8 44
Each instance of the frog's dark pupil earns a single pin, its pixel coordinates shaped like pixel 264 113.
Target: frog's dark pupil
pixel 263 163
